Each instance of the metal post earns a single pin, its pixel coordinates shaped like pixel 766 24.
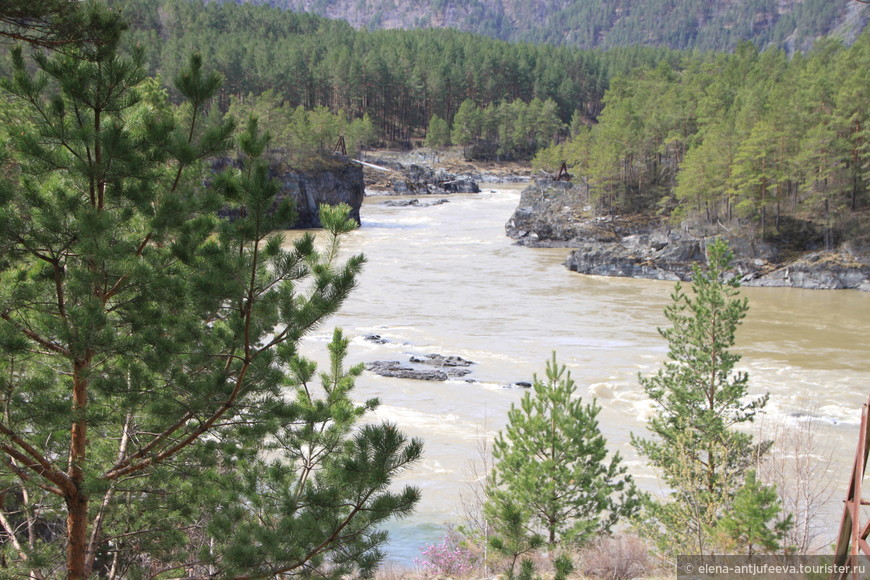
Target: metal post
pixel 852 538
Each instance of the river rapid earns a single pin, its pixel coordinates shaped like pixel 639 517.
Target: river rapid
pixel 445 279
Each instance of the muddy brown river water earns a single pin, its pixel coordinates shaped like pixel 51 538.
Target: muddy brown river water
pixel 445 279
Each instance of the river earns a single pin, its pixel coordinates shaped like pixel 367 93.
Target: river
pixel 445 279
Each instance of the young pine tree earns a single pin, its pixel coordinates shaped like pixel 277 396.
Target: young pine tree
pixel 700 399
pixel 511 537
pixel 752 524
pixel 438 133
pixel 552 460
pixel 155 416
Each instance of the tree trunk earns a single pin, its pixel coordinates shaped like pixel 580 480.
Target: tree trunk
pixel 76 499
pixel 77 533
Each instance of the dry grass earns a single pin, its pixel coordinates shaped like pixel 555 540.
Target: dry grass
pixel 618 557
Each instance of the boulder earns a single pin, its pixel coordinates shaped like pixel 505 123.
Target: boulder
pixel 441 360
pixel 459 185
pixel 395 369
pixel 413 203
pixel 420 367
pixel 519 385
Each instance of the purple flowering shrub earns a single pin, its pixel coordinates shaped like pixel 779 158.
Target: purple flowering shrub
pixel 450 557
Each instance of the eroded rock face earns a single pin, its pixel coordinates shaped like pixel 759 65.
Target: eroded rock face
pixel 332 185
pixel 816 271
pixel 615 259
pixel 551 214
pixel 336 180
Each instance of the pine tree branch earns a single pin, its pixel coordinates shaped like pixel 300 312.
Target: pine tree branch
pixel 56 348
pixel 13 537
pixel 125 462
pixel 36 462
pixel 128 465
pixel 336 534
pixel 24 476
pixel 204 427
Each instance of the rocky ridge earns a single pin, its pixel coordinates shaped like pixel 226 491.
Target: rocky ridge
pixel 553 214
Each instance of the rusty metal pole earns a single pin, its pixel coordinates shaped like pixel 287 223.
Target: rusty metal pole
pixel 852 538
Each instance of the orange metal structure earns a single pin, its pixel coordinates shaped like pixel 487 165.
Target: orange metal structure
pixel 852 539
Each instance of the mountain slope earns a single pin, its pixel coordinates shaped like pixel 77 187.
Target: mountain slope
pixel 680 24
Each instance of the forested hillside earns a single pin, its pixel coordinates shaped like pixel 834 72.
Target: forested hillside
pixel 755 135
pixel 677 24
pixel 399 78
pixel 390 83
pixel 744 138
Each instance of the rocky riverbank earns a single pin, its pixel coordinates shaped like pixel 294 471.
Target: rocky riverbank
pixel 425 172
pixel 554 214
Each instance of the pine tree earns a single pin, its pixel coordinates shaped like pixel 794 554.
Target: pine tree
pixel 466 126
pixel 155 415
pixel 751 521
pixel 511 537
pixel 438 134
pixel 552 459
pixel 700 400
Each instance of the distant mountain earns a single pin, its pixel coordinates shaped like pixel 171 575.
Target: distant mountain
pixel 677 24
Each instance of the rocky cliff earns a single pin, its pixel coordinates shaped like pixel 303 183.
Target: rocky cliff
pixel 792 24
pixel 340 181
pixel 553 214
pixel 329 181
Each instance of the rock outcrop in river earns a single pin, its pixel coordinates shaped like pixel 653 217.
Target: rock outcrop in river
pixel 552 214
pixel 338 182
pixel 420 180
pixel 429 367
pixel 330 181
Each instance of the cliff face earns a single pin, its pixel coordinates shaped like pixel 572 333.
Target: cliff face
pixel 553 215
pixel 332 185
pixel 335 181
pixel 790 24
